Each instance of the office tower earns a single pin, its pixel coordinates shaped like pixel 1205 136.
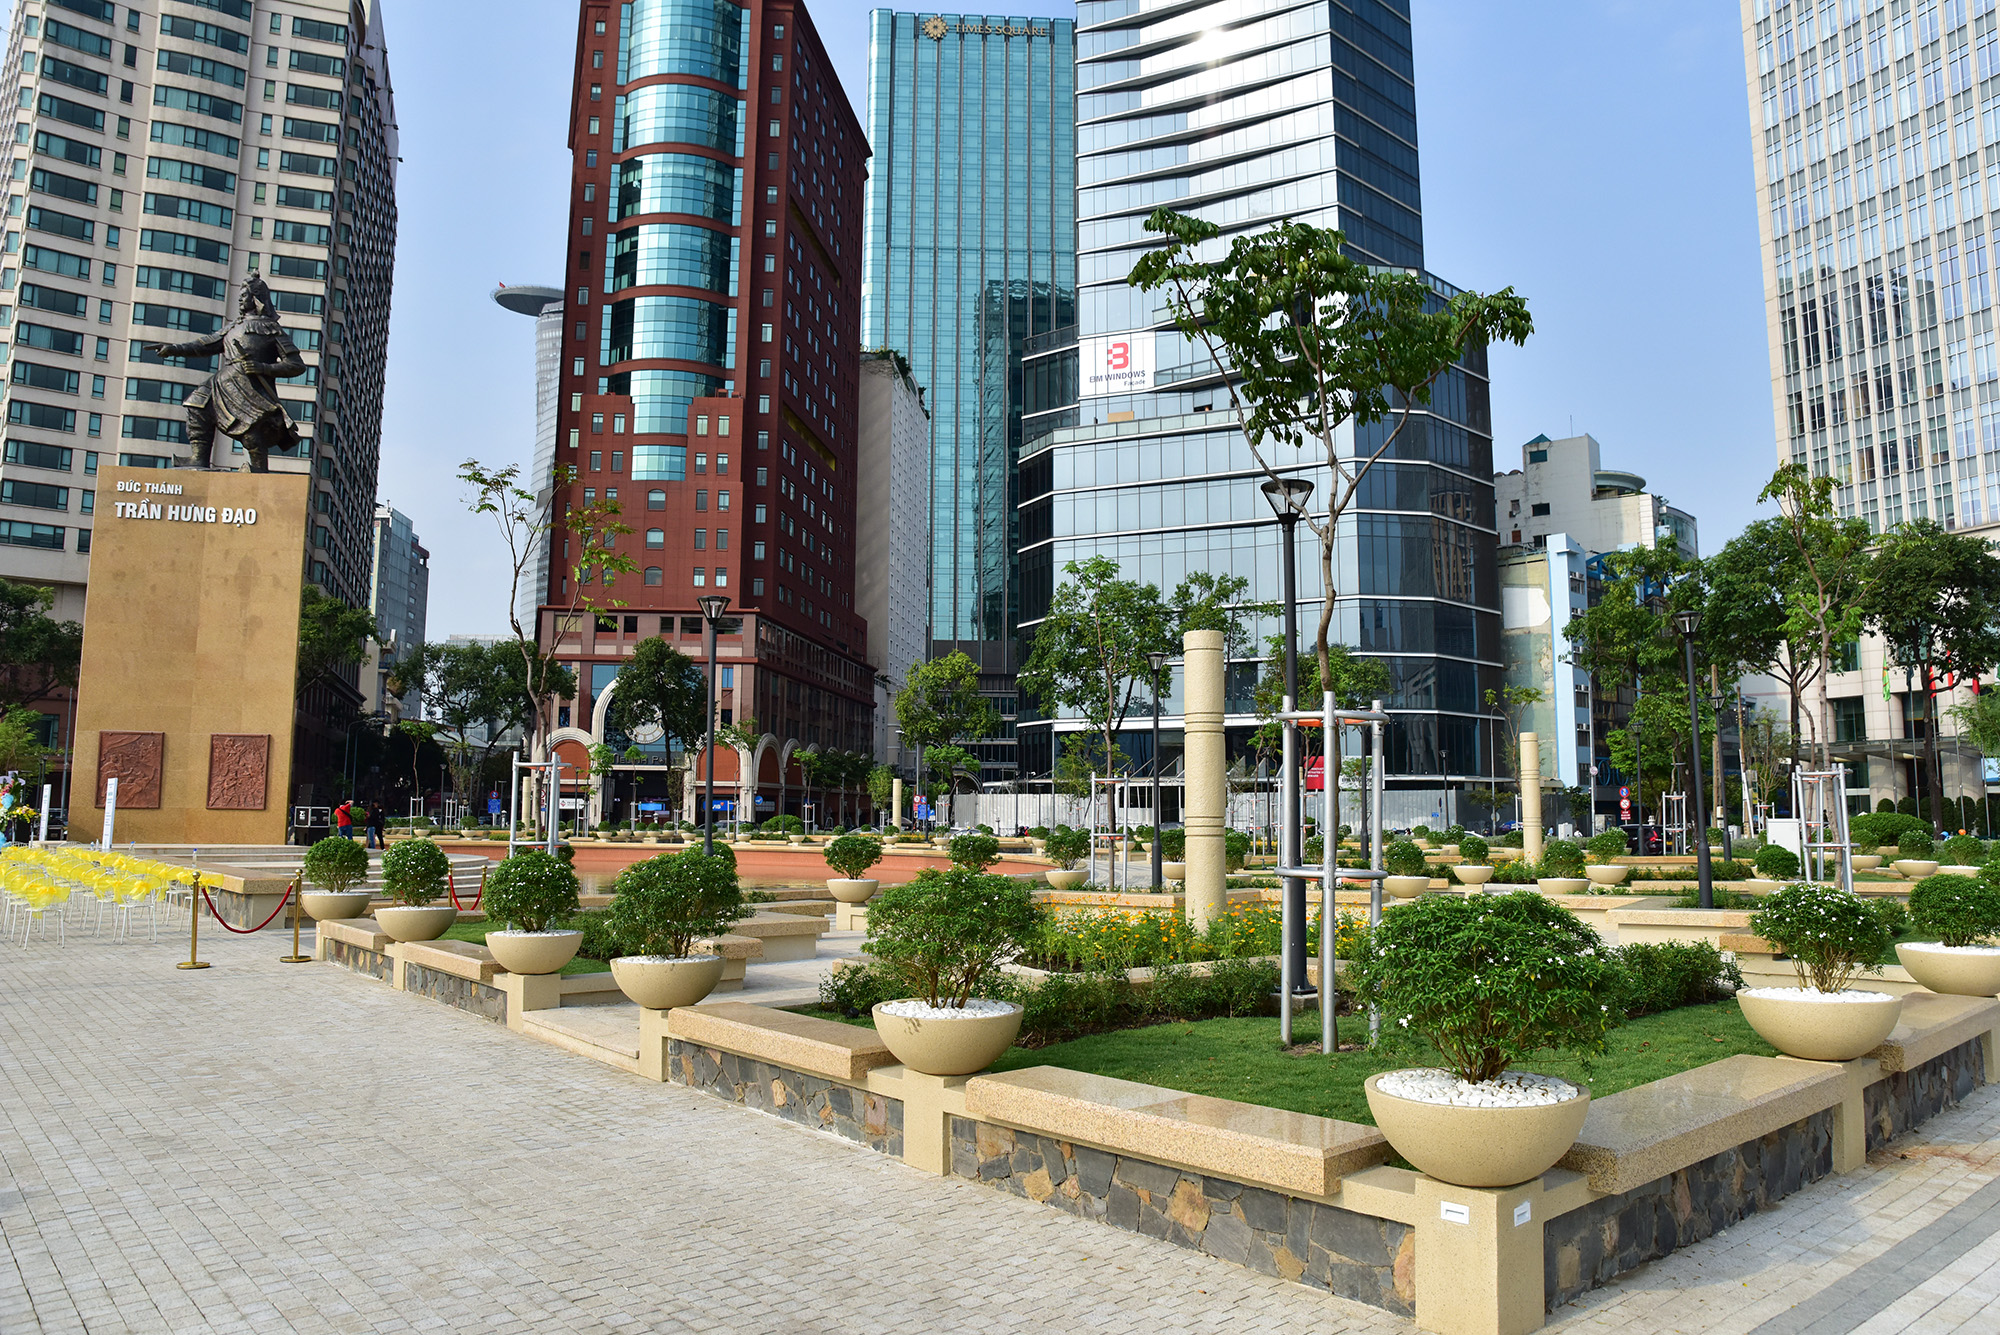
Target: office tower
pixel 164 152
pixel 400 590
pixel 1245 117
pixel 544 306
pixel 1866 133
pixel 710 367
pixel 1563 487
pixel 892 555
pixel 971 246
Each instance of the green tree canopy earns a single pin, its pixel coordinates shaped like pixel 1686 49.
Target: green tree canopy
pixel 1824 592
pixel 1747 619
pixel 941 704
pixel 332 636
pixel 660 687
pixel 37 652
pixel 469 689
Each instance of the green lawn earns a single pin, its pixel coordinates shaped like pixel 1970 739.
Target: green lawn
pixel 475 932
pixel 1241 1059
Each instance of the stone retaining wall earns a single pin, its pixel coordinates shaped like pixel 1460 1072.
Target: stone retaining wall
pixel 1322 1246
pixel 1593 1245
pixel 1899 1101
pixel 373 963
pixel 480 999
pixel 825 1105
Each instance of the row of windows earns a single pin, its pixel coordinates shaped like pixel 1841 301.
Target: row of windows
pixel 671 113
pixel 679 183
pixel 672 328
pixel 674 255
pixel 705 38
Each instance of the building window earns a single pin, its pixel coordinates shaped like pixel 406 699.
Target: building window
pixel 575 437
pixel 656 500
pixel 722 425
pixel 722 577
pixel 700 577
pixel 593 125
pixel 701 500
pixel 701 539
pixel 1538 456
pixel 763 440
pixel 655 577
pixel 701 424
pixel 758 515
pixel 596 461
pixel 722 500
pixel 1539 510
pixel 722 465
pixel 721 538
pixel 596 425
pixel 617 461
pixel 618 424
pixel 701 463
pixel 1850 719
pixel 756 588
pixel 656 539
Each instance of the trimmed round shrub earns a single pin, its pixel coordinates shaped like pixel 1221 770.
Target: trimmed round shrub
pixel 782 825
pixel 1607 845
pixel 1964 851
pixel 1038 831
pixel 1235 849
pixel 1490 979
pixel 1562 858
pixel 1421 832
pixel 851 855
pixel 1473 849
pixel 945 932
pixel 1453 834
pixel 1829 933
pixel 983 828
pixel 531 891
pixel 1664 975
pixel 415 872
pixel 664 904
pixel 1775 863
pixel 1315 851
pixel 337 863
pixel 1884 827
pixel 1403 858
pixel 1916 844
pixel 1173 844
pixel 977 851
pixel 1957 910
pixel 1066 847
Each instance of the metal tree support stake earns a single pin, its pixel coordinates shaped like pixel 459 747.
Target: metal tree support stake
pixel 1819 798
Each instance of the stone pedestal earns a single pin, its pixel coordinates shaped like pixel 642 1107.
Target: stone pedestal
pixel 1207 781
pixel 190 645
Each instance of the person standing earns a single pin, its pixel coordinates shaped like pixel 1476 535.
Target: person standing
pixel 343 819
pixel 376 821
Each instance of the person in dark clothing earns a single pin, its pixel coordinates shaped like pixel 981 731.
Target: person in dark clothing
pixel 377 819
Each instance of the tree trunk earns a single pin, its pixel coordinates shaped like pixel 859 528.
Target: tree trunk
pixel 1936 759
pixel 1720 792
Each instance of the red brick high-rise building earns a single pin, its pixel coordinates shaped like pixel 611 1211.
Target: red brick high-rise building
pixel 710 370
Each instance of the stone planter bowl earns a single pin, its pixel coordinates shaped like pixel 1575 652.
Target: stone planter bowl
pixel 1915 868
pixel 1562 885
pixel 1472 873
pixel 1757 885
pixel 1500 853
pixel 1173 871
pixel 852 891
pixel 1065 880
pixel 1406 887
pixel 1867 861
pixel 1957 869
pixel 948 1047
pixel 662 984
pixel 533 952
pixel 1607 874
pixel 1822 1031
pixel 1478 1147
pixel 1953 971
pixel 334 905
pixel 426 923
pixel 1449 850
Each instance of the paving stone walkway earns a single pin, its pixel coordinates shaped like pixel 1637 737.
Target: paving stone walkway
pixel 268 1147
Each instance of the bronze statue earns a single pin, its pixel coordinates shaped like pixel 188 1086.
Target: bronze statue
pixel 240 398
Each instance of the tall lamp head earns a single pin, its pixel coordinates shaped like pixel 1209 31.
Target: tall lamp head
pixel 1288 496
pixel 713 605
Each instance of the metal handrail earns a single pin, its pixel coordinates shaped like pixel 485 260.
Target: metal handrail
pixel 1320 873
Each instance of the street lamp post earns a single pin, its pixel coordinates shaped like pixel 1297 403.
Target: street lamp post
pixel 712 606
pixel 1156 660
pixel 1690 622
pixel 1288 497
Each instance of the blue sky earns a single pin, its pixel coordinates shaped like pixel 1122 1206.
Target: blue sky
pixel 1594 156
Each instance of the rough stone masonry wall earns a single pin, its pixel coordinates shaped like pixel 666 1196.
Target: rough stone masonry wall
pixel 1323 1246
pixel 1900 1101
pixel 373 963
pixel 465 994
pixel 1595 1244
pixel 867 1119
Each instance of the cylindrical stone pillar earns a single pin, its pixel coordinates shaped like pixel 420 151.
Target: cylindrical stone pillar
pixel 896 802
pixel 1206 777
pixel 1531 796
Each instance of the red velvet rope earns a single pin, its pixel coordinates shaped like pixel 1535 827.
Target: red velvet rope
pixel 249 931
pixel 451 888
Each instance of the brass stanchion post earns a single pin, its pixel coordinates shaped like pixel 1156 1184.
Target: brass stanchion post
pixel 292 893
pixel 194 960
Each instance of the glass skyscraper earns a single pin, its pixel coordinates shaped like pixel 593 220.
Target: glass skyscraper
pixel 1868 122
pixel 970 253
pixel 1248 112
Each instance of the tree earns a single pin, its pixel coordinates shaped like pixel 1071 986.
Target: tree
pixel 1765 748
pixel 1747 624
pixel 1934 598
pixel 1511 704
pixel 418 732
pixel 332 636
pixel 941 703
pixel 881 787
pixel 1823 596
pixel 21 743
pixel 950 764
pixel 529 525
pixel 1356 682
pixel 1310 339
pixel 660 687
pixel 817 769
pixel 37 652
pixel 469 688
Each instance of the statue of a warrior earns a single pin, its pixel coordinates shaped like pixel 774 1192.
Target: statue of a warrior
pixel 240 399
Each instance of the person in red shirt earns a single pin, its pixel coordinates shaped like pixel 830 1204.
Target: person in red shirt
pixel 343 820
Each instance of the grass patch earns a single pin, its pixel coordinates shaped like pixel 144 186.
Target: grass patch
pixel 1240 1059
pixel 475 932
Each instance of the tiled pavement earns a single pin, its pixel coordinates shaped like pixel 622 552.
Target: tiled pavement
pixel 268 1147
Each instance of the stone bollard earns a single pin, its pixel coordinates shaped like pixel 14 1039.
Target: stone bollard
pixel 896 801
pixel 1531 797
pixel 1207 784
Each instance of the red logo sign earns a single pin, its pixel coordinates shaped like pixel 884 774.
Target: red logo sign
pixel 1119 356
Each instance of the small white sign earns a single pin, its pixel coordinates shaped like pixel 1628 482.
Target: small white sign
pixel 1523 1213
pixel 1454 1214
pixel 1116 364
